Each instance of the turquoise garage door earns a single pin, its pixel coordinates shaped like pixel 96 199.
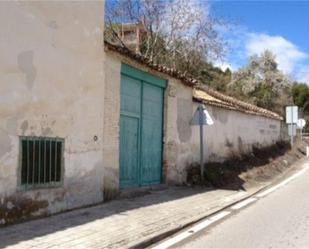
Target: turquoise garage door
pixel 141 128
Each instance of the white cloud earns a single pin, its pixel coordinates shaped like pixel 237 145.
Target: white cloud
pixel 244 43
pixel 288 55
pixel 303 74
pixel 224 65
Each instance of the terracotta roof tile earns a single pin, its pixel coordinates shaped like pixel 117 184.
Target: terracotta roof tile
pixel 232 103
pixel 188 80
pixel 201 92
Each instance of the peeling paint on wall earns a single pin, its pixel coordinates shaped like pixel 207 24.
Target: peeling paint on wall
pixel 184 115
pixel 17 207
pixel 41 95
pixel 241 149
pixel 24 127
pixel 232 134
pixel 5 143
pixel 53 25
pixel 25 64
pixel 47 131
pixel 219 116
pixel 12 124
pixel 228 143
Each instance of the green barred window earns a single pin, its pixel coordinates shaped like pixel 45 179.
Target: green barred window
pixel 41 161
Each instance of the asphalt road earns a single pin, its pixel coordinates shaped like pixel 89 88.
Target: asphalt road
pixel 278 220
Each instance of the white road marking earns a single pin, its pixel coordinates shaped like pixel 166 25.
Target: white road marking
pixel 202 225
pixel 268 191
pixel 243 203
pixel 272 189
pixel 219 216
pixel 187 233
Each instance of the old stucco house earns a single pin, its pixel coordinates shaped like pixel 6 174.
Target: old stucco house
pixel 82 119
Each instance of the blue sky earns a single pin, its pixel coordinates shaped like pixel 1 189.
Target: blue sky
pixel 280 26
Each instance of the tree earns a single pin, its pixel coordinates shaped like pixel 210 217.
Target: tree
pixel 180 33
pixel 300 92
pixel 262 83
pixel 214 77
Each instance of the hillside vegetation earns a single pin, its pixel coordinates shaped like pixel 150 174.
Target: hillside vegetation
pixel 186 39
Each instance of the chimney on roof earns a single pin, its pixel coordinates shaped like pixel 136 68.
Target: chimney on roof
pixel 140 27
pixel 132 34
pixel 142 21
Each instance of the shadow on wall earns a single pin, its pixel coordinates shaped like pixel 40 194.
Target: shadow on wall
pixel 260 165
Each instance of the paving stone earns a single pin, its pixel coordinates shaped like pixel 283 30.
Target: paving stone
pixel 119 223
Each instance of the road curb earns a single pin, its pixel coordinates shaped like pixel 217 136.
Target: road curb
pixel 163 235
pixel 172 231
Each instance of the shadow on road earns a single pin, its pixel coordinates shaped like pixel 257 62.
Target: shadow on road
pixel 221 176
pixel 11 235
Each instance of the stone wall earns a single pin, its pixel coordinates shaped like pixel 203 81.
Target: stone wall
pixel 51 84
pixel 232 134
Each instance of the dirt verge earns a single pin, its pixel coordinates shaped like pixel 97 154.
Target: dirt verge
pixel 250 170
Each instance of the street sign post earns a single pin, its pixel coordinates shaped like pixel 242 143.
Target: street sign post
pixel 291 119
pixel 291 130
pixel 201 117
pixel 291 114
pixel 301 124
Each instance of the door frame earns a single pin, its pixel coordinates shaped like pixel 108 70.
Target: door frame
pixel 147 78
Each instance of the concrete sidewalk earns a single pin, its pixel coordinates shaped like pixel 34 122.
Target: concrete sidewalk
pixel 120 223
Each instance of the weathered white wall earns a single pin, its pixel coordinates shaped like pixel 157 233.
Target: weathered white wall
pixel 233 133
pixel 179 150
pixel 51 84
pixel 112 67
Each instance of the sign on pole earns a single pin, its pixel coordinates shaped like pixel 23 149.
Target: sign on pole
pixel 301 123
pixel 205 118
pixel 291 130
pixel 209 120
pixel 291 119
pixel 201 117
pixel 291 114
